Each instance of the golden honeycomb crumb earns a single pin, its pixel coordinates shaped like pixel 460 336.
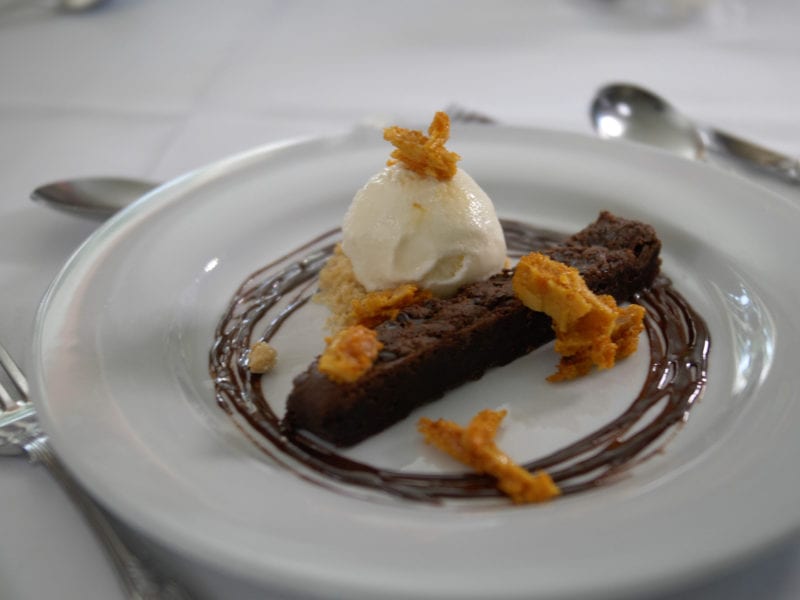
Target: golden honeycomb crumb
pixel 474 445
pixel 349 354
pixel 376 307
pixel 590 330
pixel 425 155
pixel 262 358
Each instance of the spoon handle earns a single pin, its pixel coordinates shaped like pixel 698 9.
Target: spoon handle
pixel 751 156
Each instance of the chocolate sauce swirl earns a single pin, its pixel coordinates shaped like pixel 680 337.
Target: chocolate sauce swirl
pixel 679 347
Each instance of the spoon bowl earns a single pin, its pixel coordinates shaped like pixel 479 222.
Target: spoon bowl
pixel 633 113
pixel 95 197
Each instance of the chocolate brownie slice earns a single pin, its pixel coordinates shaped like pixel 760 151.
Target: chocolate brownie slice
pixel 440 344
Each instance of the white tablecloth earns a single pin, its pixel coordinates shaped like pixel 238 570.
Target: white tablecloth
pixel 153 88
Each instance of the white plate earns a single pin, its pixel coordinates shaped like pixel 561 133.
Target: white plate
pixel 122 386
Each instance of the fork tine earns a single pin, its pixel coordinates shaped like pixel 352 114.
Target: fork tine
pixel 6 401
pixel 15 373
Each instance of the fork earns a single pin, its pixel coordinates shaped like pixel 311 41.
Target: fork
pixel 462 114
pixel 20 433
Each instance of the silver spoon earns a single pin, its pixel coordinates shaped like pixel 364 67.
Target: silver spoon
pixel 96 197
pixel 625 111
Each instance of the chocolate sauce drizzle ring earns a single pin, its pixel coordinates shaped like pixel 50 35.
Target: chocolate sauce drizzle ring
pixel 679 343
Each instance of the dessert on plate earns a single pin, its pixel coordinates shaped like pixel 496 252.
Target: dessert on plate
pixel 423 304
pixel 424 297
pixel 438 343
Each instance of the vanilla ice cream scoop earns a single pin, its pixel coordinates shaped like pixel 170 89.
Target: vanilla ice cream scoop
pixel 403 227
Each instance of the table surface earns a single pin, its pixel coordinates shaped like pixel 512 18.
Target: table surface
pixel 152 89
